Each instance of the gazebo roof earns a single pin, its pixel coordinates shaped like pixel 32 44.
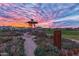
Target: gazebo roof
pixel 32 21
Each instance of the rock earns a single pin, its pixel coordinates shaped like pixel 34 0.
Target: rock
pixel 4 54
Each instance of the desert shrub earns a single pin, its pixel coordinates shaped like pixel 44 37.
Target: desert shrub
pixel 49 51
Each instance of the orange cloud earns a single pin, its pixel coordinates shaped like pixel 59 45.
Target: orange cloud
pixel 16 22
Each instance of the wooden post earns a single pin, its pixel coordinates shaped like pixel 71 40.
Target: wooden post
pixel 30 25
pixel 57 39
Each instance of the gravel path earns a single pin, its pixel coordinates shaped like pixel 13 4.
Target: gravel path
pixel 29 45
pixel 77 41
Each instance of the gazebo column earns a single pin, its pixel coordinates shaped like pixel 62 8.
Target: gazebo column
pixel 30 25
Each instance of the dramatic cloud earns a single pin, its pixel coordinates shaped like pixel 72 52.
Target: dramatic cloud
pixel 48 15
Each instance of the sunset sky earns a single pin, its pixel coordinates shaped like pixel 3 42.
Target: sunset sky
pixel 47 14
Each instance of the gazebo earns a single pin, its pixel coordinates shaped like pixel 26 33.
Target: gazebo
pixel 57 33
pixel 32 23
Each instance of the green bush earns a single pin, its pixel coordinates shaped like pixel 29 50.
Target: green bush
pixel 49 51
